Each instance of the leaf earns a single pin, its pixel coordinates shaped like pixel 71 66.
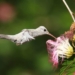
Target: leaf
pixel 70 74
pixel 67 67
pixel 62 70
pixel 71 71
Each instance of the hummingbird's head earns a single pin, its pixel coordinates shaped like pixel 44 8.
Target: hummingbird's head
pixel 42 30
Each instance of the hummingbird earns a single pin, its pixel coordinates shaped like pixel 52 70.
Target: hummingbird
pixel 26 35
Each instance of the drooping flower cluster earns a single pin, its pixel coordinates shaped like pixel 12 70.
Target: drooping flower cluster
pixel 59 48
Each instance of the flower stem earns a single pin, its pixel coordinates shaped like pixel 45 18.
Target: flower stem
pixel 71 13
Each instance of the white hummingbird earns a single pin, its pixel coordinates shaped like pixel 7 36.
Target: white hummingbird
pixel 26 35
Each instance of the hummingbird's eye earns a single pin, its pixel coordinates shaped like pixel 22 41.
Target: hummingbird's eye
pixel 44 29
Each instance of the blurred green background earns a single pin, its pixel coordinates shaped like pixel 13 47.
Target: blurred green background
pixel 31 58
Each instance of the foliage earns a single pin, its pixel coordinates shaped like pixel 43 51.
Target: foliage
pixel 68 67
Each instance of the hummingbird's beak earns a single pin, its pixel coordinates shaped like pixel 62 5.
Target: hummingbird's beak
pixel 51 35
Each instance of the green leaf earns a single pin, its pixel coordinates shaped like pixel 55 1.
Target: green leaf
pixel 71 70
pixel 68 67
pixel 62 70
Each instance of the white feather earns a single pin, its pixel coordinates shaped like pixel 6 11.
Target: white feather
pixel 22 37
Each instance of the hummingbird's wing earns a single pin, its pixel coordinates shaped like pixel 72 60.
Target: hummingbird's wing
pixel 22 37
pixel 19 38
pixel 26 37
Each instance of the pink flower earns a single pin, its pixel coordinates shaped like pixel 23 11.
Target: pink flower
pixel 59 48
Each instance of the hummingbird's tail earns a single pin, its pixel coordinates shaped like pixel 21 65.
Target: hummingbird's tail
pixel 4 36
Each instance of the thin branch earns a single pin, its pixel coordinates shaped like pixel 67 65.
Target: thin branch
pixel 69 10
